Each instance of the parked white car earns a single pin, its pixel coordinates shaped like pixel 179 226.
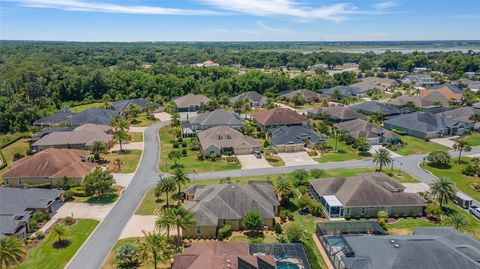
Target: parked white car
pixel 475 210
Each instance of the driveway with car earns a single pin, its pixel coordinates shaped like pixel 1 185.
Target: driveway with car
pixel 296 158
pixel 249 161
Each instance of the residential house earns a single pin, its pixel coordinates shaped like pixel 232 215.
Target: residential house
pixel 48 131
pixel 98 116
pixel 307 95
pixel 451 92
pixel 427 248
pixel 372 107
pixel 425 125
pixel 279 117
pixel 81 137
pixel 219 255
pixel 346 91
pixel 215 206
pixel 255 99
pixel 294 138
pixel 419 81
pixel 473 85
pixel 49 166
pixel 360 128
pixel 207 63
pixel 222 140
pixel 216 118
pixel 190 102
pixel 369 83
pixel 429 101
pixel 123 104
pixel 365 194
pixel 17 206
pixel 334 113
pixel 54 119
pixel 463 115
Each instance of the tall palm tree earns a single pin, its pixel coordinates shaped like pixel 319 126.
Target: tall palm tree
pixel 149 108
pixel 120 136
pixel 58 231
pixel 165 219
pixel 12 251
pixel 156 247
pixel 120 129
pixel 283 188
pixel 183 218
pixel 166 186
pixel 443 190
pixel 460 146
pixel 382 158
pixel 119 122
pixel 459 221
pixel 180 178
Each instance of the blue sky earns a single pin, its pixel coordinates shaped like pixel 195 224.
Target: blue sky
pixel 239 20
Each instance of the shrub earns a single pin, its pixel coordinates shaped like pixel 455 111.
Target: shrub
pixel 290 216
pixel 469 170
pixel 357 217
pixel 180 140
pixel 33 224
pixel 184 145
pixel 367 216
pixel 404 215
pixel 40 185
pixel 283 216
pixel 40 216
pixel 78 192
pixel 69 220
pixel 255 240
pixel 39 235
pixel 175 145
pixel 383 224
pixel 17 156
pixel 303 202
pixel 440 159
pixel 184 152
pixel 278 228
pixel 348 217
pixel 29 152
pixel 316 173
pixel 413 215
pixel 303 189
pixel 395 216
pixel 224 232
pixel 67 195
pixel 316 209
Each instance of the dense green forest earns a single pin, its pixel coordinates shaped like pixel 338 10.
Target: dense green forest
pixel 37 78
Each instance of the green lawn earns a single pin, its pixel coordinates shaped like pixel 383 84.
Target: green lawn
pixel 45 256
pixel 105 199
pixel 81 108
pixel 143 121
pixel 454 173
pixel 418 146
pixel 190 161
pixel 136 137
pixel 6 138
pixel 277 161
pixel 129 158
pixel 345 153
pixel 474 139
pixel 21 146
pixel 267 239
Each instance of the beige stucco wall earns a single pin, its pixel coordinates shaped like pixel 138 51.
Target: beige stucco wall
pixel 206 232
pixel 15 182
pixel 290 148
pixel 373 211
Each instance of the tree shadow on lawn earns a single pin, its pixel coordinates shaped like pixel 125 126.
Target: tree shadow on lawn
pixel 104 199
pixel 61 244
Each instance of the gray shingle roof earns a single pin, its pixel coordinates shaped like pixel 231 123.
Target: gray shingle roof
pixel 374 106
pixel 336 113
pixel 190 100
pixel 231 201
pixel 285 135
pixel 344 90
pixel 370 83
pixel 252 96
pixel 306 94
pixel 16 205
pixel 56 118
pixel 461 114
pixel 217 117
pixel 422 121
pixel 368 189
pixel 360 128
pixel 93 115
pixel 82 135
pixel 123 104
pixel 429 248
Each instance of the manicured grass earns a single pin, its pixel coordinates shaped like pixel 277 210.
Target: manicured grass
pixel 345 153
pixel 6 138
pixel 110 261
pixel 130 159
pixel 190 161
pixel 418 146
pixel 45 256
pixel 21 146
pixel 148 204
pixel 136 137
pixel 474 139
pixel 81 108
pixel 143 121
pixel 454 173
pixel 277 161
pixel 106 199
pixel 401 176
pixel 267 239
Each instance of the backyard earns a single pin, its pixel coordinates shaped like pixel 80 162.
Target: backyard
pixel 20 146
pixel 454 173
pixel 190 160
pixel 44 255
pixel 418 146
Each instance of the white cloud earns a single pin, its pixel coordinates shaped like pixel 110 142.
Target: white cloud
pixel 262 25
pixel 385 5
pixel 78 5
pixel 334 12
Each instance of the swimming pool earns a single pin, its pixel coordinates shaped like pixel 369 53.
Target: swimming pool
pixel 287 265
pixel 335 241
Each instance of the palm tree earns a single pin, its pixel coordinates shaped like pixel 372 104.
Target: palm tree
pixel 12 251
pixel 132 111
pixel 97 148
pixel 58 231
pixel 283 188
pixel 119 122
pixel 382 158
pixel 149 108
pixel 174 156
pixel 120 136
pixel 443 190
pixel 180 178
pixel 183 218
pixel 166 186
pixel 461 145
pixel 459 221
pixel 120 127
pixel 157 247
pixel 165 219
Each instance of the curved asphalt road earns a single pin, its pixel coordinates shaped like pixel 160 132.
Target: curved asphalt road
pixel 96 248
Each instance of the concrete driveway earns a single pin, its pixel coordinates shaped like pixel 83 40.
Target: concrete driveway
pixel 134 129
pixel 249 161
pixel 129 146
pixel 123 179
pixel 137 224
pixel 377 147
pixel 415 187
pixel 162 116
pixel 445 141
pixel 296 158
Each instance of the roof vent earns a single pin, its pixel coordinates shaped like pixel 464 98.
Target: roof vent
pixel 396 245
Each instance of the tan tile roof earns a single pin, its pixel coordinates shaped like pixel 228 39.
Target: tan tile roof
pixel 279 116
pixel 191 100
pixel 85 134
pixel 223 136
pixel 51 163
